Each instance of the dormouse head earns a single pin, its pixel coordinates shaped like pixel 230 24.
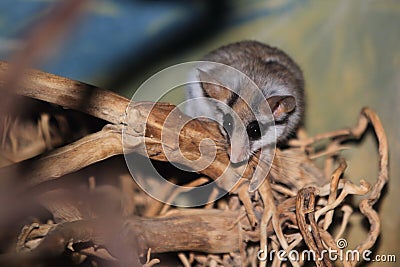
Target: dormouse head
pixel 247 116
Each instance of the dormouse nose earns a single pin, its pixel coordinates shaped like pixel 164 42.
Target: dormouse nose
pixel 239 147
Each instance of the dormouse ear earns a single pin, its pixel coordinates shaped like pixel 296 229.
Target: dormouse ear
pixel 281 105
pixel 212 87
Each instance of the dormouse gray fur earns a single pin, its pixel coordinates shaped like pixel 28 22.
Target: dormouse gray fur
pixel 274 73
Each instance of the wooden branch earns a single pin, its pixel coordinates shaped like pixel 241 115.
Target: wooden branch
pixel 145 123
pixel 97 147
pixel 160 123
pixel 68 93
pixel 212 233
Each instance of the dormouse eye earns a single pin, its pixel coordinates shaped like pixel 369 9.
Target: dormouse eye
pixel 228 124
pixel 253 130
